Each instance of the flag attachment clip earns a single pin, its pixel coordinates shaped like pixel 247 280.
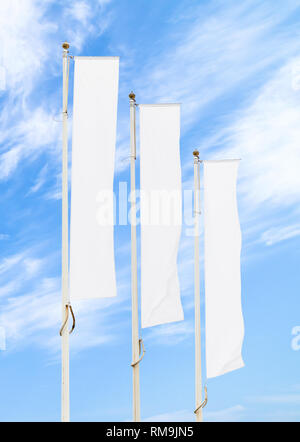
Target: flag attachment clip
pixel 57 118
pixel 202 405
pixel 141 346
pixel 68 306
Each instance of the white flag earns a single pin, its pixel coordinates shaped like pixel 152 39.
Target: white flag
pixel 161 215
pixel 92 266
pixel 222 240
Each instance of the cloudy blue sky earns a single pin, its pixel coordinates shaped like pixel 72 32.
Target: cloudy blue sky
pixel 235 67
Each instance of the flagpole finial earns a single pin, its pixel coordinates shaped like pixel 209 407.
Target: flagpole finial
pixel 65 45
pixel 132 96
pixel 196 153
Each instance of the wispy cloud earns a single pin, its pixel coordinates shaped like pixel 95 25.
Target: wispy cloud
pixel 31 307
pixel 29 32
pixel 170 334
pixel 217 52
pixel 276 235
pixel 80 10
pixel 24 30
pixel 265 136
pixel 9 288
pixel 7 263
pixel 34 317
pixel 40 180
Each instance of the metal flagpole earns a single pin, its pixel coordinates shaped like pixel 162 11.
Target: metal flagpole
pixel 134 291
pixel 64 332
pixel 198 372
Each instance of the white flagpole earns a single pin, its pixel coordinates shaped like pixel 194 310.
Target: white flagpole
pixel 198 372
pixel 65 399
pixel 134 291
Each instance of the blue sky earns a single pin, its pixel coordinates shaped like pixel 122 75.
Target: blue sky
pixel 235 67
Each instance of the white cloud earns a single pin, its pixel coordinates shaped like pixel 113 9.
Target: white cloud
pixel 32 135
pixel 211 55
pixel 28 58
pixel 9 161
pixel 170 334
pixel 17 270
pixel 226 52
pixel 85 18
pixel 219 51
pixel 80 10
pixel 29 33
pixel 9 288
pixel 22 30
pixel 40 180
pixel 23 316
pixel 30 309
pixel 35 318
pixel 278 234
pixel 265 136
pixel 23 264
pixel 32 266
pixel 8 263
pixel 231 52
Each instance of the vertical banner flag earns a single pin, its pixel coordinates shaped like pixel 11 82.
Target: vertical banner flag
pixel 161 213
pixel 222 241
pixel 92 266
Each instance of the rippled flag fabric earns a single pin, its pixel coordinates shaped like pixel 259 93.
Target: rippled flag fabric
pixel 161 213
pixel 222 242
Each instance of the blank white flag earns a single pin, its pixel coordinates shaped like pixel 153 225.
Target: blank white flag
pixel 222 240
pixel 92 266
pixel 161 206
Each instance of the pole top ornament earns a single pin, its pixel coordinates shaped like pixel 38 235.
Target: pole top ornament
pixel 65 45
pixel 196 153
pixel 132 96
